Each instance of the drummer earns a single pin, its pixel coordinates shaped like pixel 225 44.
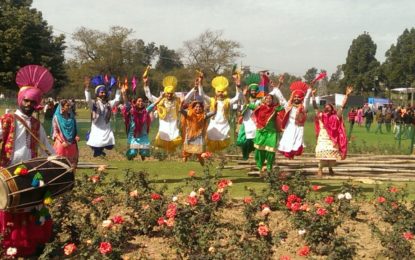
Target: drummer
pixel 19 229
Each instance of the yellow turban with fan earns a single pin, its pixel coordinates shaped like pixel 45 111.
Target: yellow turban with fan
pixel 220 83
pixel 169 84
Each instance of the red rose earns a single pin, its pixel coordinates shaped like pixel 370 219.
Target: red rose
pixel 155 196
pixel 293 198
pixel 68 249
pixel 316 187
pixel 393 189
pixel 296 206
pixel 224 183
pixel 215 197
pixel 381 199
pixel 247 200
pixel 285 188
pixel 329 200
pixel 304 251
pixel 263 230
pixel 161 221
pixel 117 219
pixel 321 211
pixel 408 235
pixel 105 248
pixel 192 201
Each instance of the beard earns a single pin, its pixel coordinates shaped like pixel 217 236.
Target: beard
pixel 27 110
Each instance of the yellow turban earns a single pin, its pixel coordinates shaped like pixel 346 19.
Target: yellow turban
pixel 169 84
pixel 220 83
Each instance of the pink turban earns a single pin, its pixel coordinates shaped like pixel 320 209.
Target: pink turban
pixel 33 81
pixel 30 93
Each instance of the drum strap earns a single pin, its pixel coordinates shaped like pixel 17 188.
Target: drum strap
pixel 41 145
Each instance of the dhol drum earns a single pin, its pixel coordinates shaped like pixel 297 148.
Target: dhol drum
pixel 17 191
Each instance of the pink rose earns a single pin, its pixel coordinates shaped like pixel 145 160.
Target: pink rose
pixel 329 200
pixel 105 248
pixel 321 211
pixel 381 199
pixel 117 219
pixel 263 230
pixel 68 249
pixel 285 188
pixel 215 197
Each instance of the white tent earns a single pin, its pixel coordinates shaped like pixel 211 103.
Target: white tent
pixel 406 91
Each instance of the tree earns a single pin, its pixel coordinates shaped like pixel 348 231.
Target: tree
pixel 211 53
pixel 399 66
pixel 112 52
pixel 333 85
pixel 168 59
pixel 361 66
pixel 25 38
pixel 310 74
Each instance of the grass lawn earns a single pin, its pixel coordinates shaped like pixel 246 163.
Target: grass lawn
pixel 174 172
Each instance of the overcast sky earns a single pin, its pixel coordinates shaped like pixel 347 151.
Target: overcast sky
pixel 282 36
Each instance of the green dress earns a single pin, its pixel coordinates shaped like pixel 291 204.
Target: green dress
pixel 266 142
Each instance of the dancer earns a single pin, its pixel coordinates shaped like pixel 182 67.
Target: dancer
pixel 64 132
pixel 101 136
pixel 268 126
pixel 292 140
pixel 218 137
pixel 195 128
pixel 331 134
pixel 137 123
pixel 247 130
pixel 21 136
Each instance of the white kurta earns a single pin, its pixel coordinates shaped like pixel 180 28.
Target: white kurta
pixel 293 136
pixel 218 128
pixel 168 129
pixel 21 149
pixel 101 134
pixel 249 124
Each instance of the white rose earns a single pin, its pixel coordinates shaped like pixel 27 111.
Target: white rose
pixel 348 196
pixel 174 198
pixel 340 196
pixel 106 223
pixel 301 232
pixel 11 251
pixel 230 183
pixel 265 211
pixel 193 194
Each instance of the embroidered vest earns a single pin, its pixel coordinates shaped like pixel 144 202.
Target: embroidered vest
pixel 300 117
pixel 8 124
pixel 226 106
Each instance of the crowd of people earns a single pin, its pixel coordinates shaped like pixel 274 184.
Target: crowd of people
pixel 389 118
pixel 197 123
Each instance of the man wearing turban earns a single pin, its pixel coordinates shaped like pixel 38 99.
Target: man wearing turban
pixel 21 230
pixel 217 134
pixel 247 130
pixel 101 136
pixel 292 140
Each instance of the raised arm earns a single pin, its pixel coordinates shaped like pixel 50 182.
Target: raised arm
pixel 238 94
pixel 307 99
pixel 116 99
pixel 87 93
pixel 277 92
pixel 313 99
pixel 349 90
pixel 147 91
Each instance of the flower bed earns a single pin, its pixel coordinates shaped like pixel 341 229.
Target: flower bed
pixel 108 219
